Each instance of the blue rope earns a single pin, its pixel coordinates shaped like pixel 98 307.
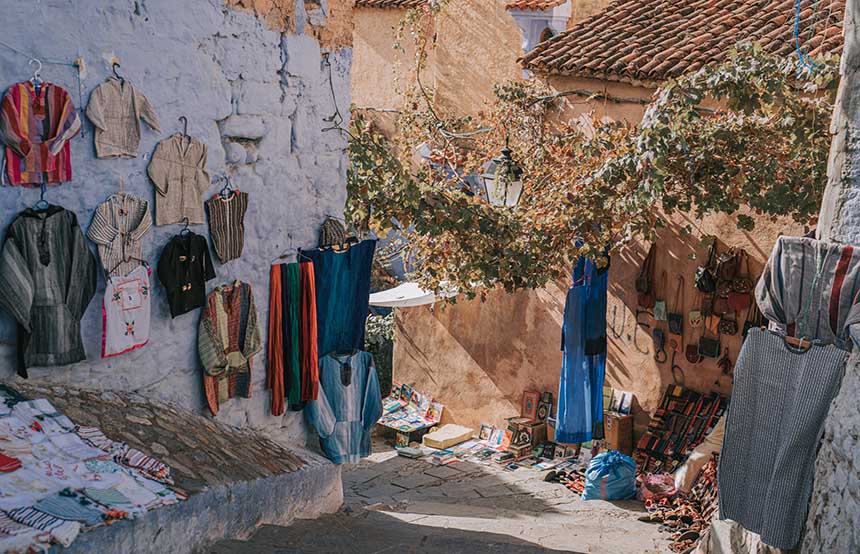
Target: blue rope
pixel 804 60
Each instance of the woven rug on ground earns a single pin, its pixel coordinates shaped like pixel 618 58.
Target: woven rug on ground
pixel 58 479
pixel 679 425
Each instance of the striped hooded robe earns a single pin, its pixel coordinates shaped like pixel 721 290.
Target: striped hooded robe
pixel 36 130
pixel 227 340
pixel 47 279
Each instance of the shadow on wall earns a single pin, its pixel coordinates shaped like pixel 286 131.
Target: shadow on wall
pixel 478 358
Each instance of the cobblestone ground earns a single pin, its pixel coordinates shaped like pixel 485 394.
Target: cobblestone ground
pixel 396 505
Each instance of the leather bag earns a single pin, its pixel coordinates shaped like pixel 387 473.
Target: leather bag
pixel 645 280
pixel 728 325
pixel 706 278
pixel 660 310
pixel 676 317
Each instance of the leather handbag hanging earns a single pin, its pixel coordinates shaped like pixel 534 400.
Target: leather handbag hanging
pixel 725 363
pixel 728 324
pixel 709 347
pixel 754 319
pixel 691 352
pixel 659 345
pixel 696 317
pixel 706 279
pixel 645 280
pixel 660 310
pixel 676 318
pixel 739 297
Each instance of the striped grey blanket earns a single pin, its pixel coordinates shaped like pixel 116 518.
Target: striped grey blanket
pixel 774 423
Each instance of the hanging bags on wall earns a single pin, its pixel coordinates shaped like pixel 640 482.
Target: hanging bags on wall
pixel 709 347
pixel 742 284
pixel 728 324
pixel 660 305
pixel 676 318
pixel 645 280
pixel 697 317
pixel 706 279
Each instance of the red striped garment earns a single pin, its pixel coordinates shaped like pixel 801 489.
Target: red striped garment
pixel 36 130
pixel 308 333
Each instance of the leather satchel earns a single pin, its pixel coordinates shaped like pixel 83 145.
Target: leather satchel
pixel 728 325
pixel 676 318
pixel 645 280
pixel 709 348
pixel 660 310
pixel 706 278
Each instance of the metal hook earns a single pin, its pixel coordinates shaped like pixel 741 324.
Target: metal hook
pixel 36 73
pixel 184 121
pixel 116 73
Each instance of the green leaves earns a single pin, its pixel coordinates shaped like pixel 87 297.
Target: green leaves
pixel 746 138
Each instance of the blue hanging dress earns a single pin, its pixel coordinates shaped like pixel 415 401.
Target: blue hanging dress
pixel 580 395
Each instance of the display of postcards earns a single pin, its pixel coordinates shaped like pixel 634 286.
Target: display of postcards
pixel 521 437
pixel 558 453
pixel 496 438
pixel 405 392
pixel 512 467
pixel 507 437
pixel 529 408
pixel 615 403
pixel 486 431
pixel 395 390
pixel 564 464
pixel 402 440
pixel 423 403
pixel 570 452
pixel 520 451
pixel 434 413
pixel 544 409
pixel 548 450
pixel 626 403
pixel 484 453
pixel 503 456
pixel 392 404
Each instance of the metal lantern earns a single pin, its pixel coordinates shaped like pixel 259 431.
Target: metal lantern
pixel 503 180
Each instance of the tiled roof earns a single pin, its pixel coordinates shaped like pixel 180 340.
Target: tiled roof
pixel 388 3
pixel 652 40
pixel 534 5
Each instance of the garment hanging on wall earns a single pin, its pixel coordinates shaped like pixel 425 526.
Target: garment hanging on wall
pixel 780 400
pixel 833 310
pixel 118 225
pixel 348 406
pixel 47 279
pixel 580 402
pixel 342 281
pixel 126 312
pixel 178 171
pixel 781 395
pixel 183 269
pixel 36 130
pixel 292 370
pixel 116 108
pixel 228 339
pixel 227 224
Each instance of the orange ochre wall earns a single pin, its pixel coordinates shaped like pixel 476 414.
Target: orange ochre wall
pixel 477 357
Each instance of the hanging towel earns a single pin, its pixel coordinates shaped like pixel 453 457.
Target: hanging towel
pixel 309 356
pixel 275 366
pixel 292 292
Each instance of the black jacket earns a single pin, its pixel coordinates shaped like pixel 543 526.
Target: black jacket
pixel 183 269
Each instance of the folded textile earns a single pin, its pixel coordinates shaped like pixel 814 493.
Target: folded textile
pixel 109 498
pixel 69 506
pixel 9 526
pixel 61 530
pixel 72 446
pixel 8 463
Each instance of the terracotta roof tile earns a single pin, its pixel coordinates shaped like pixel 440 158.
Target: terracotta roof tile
pixel 534 5
pixel 653 40
pixel 402 4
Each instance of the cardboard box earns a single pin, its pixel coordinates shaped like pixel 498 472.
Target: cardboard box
pixel 619 432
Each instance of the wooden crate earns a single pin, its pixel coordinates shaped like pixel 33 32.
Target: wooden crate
pixel 619 432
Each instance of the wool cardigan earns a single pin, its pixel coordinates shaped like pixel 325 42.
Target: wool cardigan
pixel 47 279
pixel 178 171
pixel 228 339
pixel 119 224
pixel 36 130
pixel 116 108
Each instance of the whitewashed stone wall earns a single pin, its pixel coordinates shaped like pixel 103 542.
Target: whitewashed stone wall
pixel 256 97
pixel 834 513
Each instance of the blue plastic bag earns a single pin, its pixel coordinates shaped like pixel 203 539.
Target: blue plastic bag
pixel 610 476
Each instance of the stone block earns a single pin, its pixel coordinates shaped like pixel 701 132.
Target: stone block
pixel 278 140
pixel 303 57
pixel 255 98
pixel 243 126
pixel 234 152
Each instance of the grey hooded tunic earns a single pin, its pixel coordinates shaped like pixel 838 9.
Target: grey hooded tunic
pixel 47 279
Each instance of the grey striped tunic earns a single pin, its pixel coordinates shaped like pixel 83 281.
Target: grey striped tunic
pixel 227 224
pixel 47 279
pixel 788 292
pixel 774 424
pixel 119 224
